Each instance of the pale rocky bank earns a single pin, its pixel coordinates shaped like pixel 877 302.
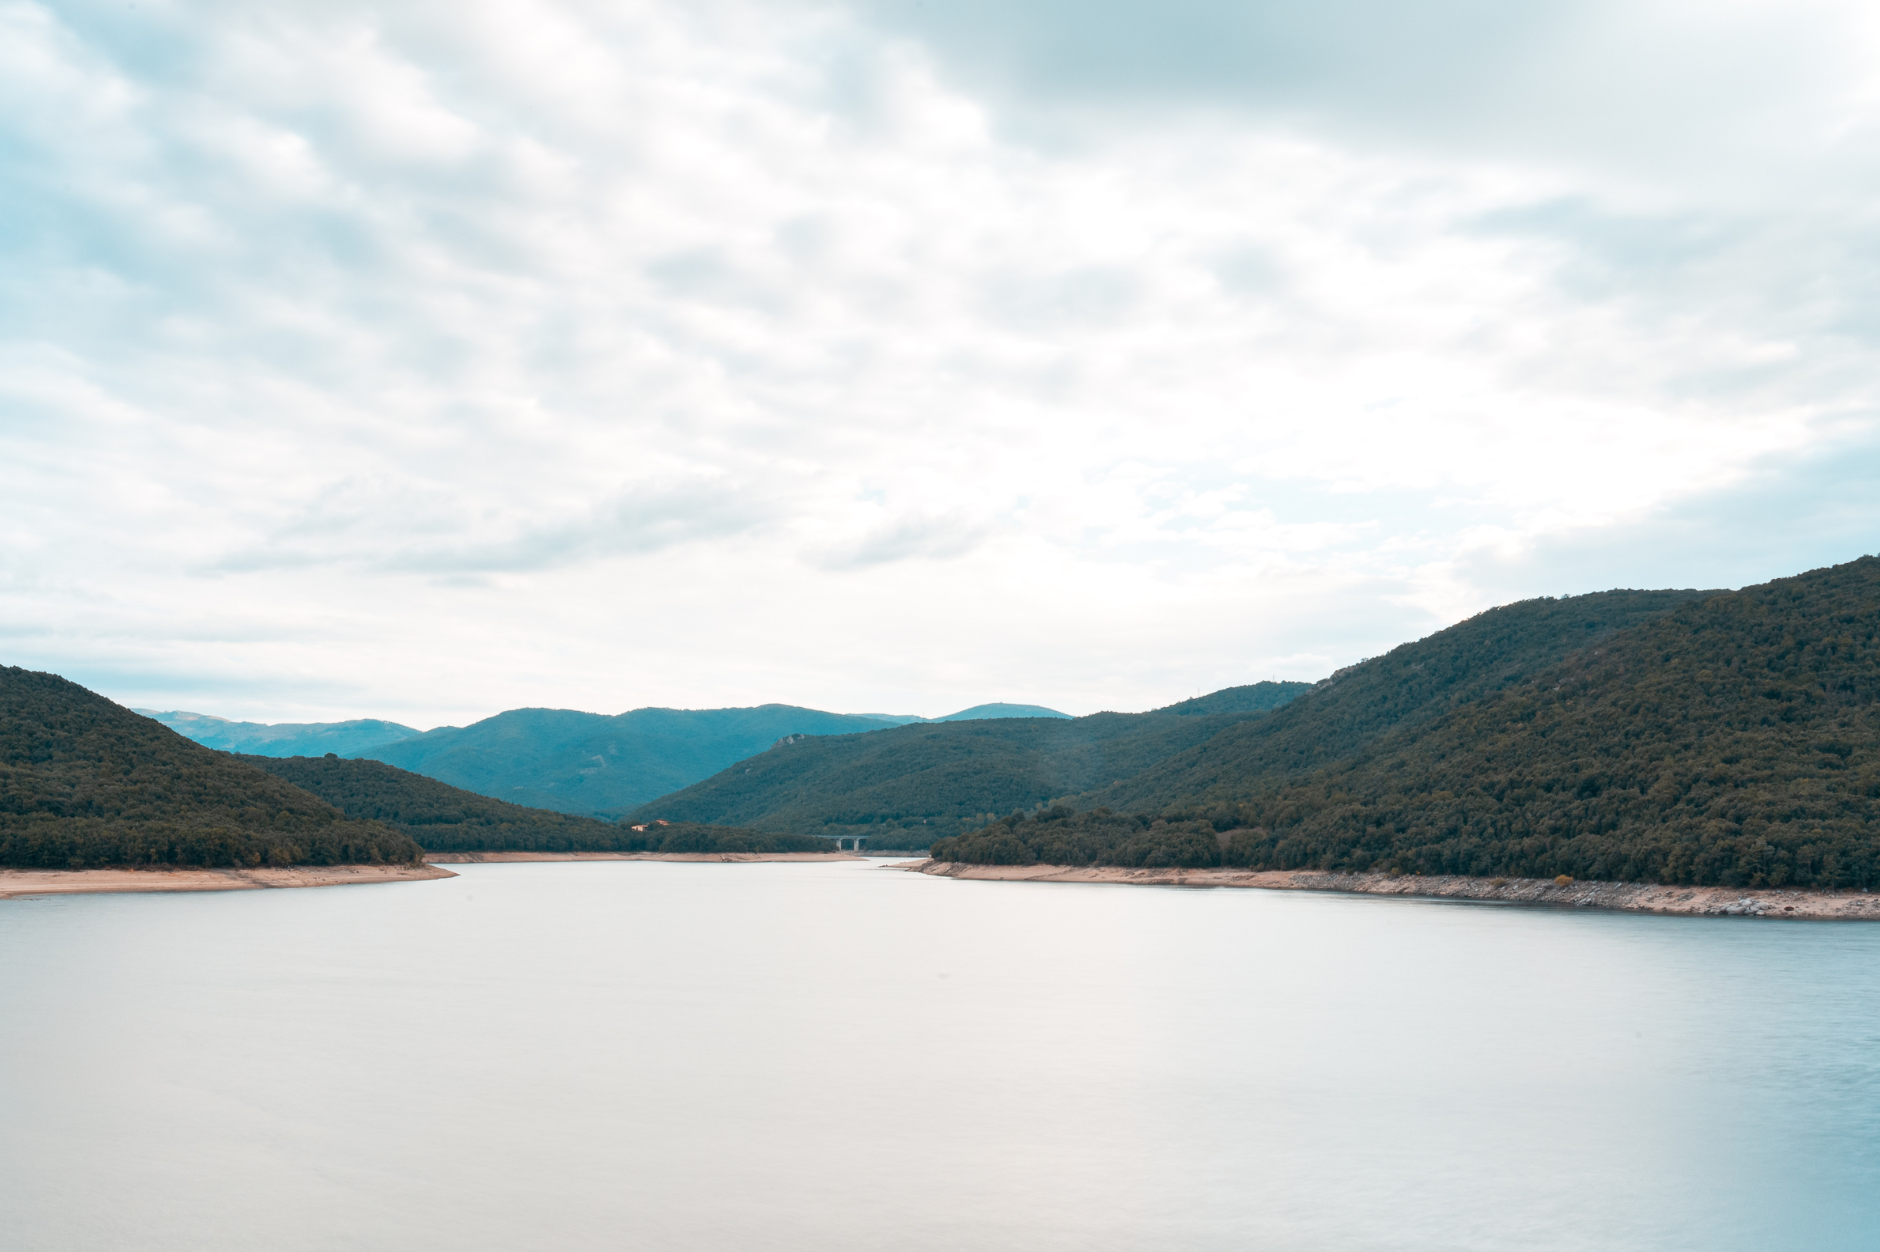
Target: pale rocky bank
pixel 1624 897
pixel 53 882
pixel 492 858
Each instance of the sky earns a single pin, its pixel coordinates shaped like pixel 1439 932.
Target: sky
pixel 420 361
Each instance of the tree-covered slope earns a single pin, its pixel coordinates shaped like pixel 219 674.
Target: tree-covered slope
pixel 85 782
pixel 443 818
pixel 1734 740
pixel 590 763
pixel 1410 685
pixel 913 783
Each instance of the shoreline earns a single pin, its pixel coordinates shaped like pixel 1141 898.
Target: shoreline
pixel 22 883
pixel 58 882
pixel 1795 905
pixel 489 858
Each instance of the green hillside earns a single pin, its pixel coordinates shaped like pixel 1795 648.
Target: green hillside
pixel 1254 698
pixel 443 818
pixel 85 782
pixel 1734 740
pixel 592 764
pixel 1339 718
pixel 906 786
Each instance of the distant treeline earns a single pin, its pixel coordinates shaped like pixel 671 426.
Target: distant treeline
pixel 85 782
pixel 675 837
pixel 42 841
pixel 443 818
pixel 1734 740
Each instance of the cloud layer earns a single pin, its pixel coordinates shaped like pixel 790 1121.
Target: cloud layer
pixel 427 360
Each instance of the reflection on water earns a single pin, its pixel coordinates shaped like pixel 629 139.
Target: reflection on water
pixel 835 1056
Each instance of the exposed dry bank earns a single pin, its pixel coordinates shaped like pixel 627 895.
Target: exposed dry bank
pixel 466 858
pixel 1625 897
pixel 45 882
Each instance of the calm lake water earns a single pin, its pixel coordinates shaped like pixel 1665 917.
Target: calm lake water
pixel 836 1056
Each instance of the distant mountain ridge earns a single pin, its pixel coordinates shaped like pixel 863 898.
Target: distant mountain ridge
pixel 590 763
pixel 987 712
pixel 282 738
pixel 563 760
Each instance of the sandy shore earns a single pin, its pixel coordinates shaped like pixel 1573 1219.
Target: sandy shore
pixel 1626 897
pixel 486 858
pixel 48 882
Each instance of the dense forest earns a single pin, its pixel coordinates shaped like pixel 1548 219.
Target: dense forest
pixel 1406 687
pixel 1733 740
pixel 85 782
pixel 443 818
pixel 1261 697
pixel 1062 835
pixel 907 786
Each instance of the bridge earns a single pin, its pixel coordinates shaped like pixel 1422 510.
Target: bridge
pixel 848 843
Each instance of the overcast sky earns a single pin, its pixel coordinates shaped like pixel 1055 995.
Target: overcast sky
pixel 425 360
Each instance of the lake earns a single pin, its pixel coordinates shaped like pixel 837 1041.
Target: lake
pixel 831 1056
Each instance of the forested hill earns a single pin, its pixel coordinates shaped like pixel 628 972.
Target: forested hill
pixel 592 764
pixel 1734 740
pixel 85 782
pixel 1340 717
pixel 443 818
pixel 906 786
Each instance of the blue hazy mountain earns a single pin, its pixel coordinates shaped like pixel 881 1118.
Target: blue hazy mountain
pixel 592 763
pixel 282 738
pixel 562 759
pixel 983 712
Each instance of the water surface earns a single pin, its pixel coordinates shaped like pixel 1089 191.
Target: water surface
pixel 817 1057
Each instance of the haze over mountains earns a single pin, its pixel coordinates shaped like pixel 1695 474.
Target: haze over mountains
pixel 282 738
pixel 591 763
pixel 561 759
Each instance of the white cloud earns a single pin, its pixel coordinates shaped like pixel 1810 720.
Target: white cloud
pixel 428 360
